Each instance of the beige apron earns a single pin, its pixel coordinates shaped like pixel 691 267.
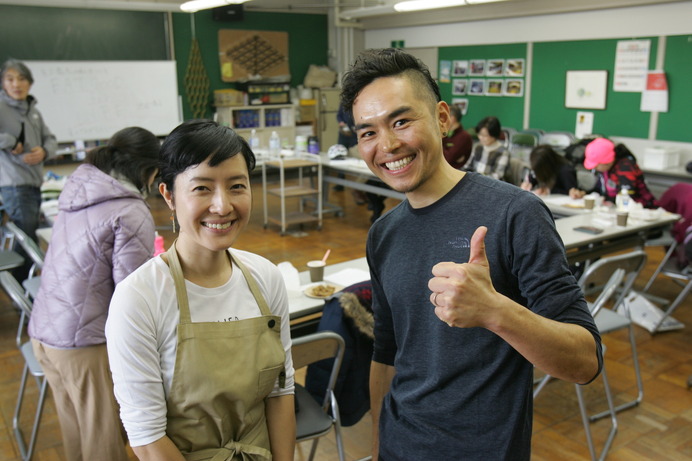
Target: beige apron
pixel 223 372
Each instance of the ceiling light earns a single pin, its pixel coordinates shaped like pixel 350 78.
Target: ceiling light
pixel 196 5
pixel 415 5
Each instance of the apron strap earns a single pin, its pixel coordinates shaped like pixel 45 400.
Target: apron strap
pixel 181 291
pixel 252 284
pixel 179 281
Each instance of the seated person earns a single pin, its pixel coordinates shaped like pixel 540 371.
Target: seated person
pixel 615 166
pixel 678 199
pixel 551 173
pixel 457 143
pixel 490 157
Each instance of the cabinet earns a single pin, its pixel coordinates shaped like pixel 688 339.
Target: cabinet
pixel 263 119
pixel 302 188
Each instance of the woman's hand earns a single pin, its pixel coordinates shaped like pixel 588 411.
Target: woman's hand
pixel 525 185
pixel 542 191
pixel 576 193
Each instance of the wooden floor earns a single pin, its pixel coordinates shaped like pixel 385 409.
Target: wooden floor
pixel 659 429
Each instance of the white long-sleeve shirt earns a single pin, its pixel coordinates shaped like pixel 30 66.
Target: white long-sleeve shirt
pixel 142 326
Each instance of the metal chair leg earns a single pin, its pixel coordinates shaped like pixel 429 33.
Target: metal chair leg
pixel 587 421
pixel 26 449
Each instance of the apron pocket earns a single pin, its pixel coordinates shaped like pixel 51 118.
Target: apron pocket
pixel 266 380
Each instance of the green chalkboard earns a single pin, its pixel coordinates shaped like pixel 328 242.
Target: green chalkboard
pixel 509 109
pixel 675 124
pixel 38 33
pixel 552 60
pixel 307 43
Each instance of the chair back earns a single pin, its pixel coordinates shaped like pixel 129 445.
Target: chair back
pixel 516 171
pixel 558 139
pixel 629 264
pixel 28 245
pixel 319 346
pixel 16 293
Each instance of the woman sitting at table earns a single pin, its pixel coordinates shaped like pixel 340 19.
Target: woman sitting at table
pixel 198 337
pixel 490 157
pixel 615 167
pixel 551 173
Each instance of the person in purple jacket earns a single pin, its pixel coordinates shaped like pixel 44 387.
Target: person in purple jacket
pixel 104 231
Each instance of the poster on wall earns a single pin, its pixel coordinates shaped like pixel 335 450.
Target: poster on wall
pixel 462 104
pixel 253 54
pixel 584 124
pixel 477 67
pixel 514 87
pixel 514 68
pixel 477 87
pixel 586 89
pixel 460 69
pixel 495 68
pixel 631 65
pixel 495 87
pixel 445 71
pixel 655 96
pixel 459 86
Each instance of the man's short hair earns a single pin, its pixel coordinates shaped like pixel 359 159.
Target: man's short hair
pixel 386 62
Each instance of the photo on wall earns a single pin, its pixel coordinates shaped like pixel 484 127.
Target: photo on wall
pixel 495 87
pixel 477 87
pixel 477 67
pixel 460 69
pixel 459 86
pixel 462 104
pixel 495 68
pixel 514 87
pixel 514 68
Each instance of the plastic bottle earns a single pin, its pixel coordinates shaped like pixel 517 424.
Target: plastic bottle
pixel 313 145
pixel 254 140
pixel 158 245
pixel 274 144
pixel 623 199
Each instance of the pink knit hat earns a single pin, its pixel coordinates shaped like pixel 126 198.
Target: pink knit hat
pixel 600 150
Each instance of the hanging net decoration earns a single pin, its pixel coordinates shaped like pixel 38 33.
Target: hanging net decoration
pixel 196 82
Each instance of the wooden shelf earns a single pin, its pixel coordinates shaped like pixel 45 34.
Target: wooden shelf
pixel 293 191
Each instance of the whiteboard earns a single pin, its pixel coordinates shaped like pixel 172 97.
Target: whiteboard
pixel 91 100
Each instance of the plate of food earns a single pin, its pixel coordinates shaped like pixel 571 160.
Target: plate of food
pixel 321 290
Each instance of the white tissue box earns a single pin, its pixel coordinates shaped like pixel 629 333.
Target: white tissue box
pixel 660 158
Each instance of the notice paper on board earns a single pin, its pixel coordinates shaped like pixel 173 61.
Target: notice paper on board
pixel 655 95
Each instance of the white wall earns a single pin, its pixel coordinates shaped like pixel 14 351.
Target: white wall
pixel 665 19
pixel 632 22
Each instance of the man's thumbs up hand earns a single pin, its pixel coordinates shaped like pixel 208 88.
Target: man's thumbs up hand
pixel 463 294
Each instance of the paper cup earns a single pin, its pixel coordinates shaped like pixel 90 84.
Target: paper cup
pixel 316 270
pixel 622 218
pixel 589 203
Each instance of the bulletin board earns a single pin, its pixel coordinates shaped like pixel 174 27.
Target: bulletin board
pixel 497 91
pixel 551 62
pixel 674 125
pixel 252 54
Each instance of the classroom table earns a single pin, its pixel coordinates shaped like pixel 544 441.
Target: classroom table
pixel 582 246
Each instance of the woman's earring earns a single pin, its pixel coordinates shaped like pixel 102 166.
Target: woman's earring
pixel 173 220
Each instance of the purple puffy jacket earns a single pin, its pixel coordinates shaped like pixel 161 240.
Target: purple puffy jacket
pixel 102 233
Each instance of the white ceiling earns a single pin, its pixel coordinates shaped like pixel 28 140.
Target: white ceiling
pixel 378 13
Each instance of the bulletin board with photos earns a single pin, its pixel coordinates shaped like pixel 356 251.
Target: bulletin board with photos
pixel 484 80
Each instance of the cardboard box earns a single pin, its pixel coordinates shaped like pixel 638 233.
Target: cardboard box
pixel 306 113
pixel 228 97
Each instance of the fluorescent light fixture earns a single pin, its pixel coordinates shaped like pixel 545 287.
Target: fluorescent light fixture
pixel 416 5
pixel 196 5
